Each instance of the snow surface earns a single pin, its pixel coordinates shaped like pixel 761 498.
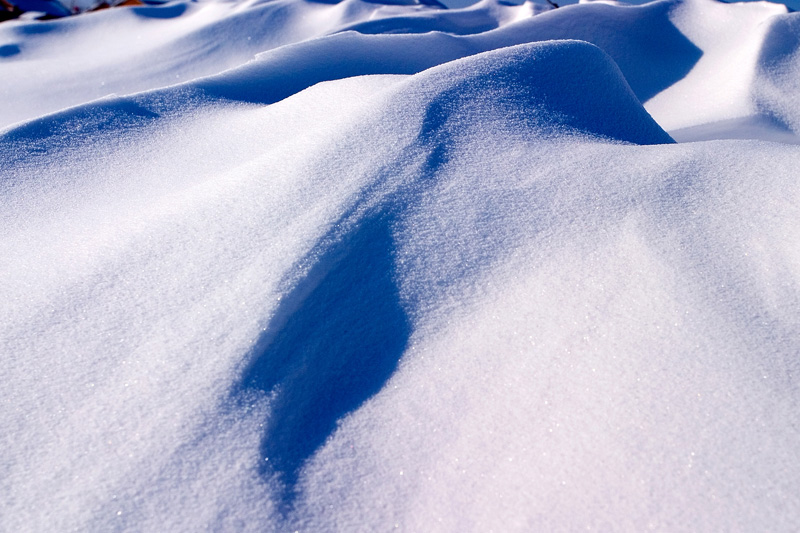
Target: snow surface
pixel 360 266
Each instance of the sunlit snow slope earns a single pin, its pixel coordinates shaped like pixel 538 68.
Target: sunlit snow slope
pixel 359 266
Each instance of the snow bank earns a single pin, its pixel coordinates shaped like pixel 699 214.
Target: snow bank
pixel 426 281
pixel 669 51
pixel 68 62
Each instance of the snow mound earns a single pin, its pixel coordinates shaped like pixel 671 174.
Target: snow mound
pixel 453 280
pixel 548 88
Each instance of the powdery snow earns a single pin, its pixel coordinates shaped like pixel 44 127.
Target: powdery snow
pixel 358 267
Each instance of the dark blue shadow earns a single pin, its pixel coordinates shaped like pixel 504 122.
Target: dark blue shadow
pixel 655 42
pixel 9 50
pixel 334 342
pixel 452 23
pixel 651 52
pixel 160 12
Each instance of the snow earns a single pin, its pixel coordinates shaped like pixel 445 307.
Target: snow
pixel 364 266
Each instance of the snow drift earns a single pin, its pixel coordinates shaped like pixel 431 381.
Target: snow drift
pixel 451 280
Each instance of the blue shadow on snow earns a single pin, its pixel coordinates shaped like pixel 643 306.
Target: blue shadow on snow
pixel 334 342
pixel 9 50
pixel 160 12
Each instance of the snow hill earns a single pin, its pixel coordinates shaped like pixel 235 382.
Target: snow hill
pixel 358 266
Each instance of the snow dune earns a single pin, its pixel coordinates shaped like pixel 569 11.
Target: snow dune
pixel 365 266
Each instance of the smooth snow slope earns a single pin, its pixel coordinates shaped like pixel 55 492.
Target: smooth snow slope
pixel 465 283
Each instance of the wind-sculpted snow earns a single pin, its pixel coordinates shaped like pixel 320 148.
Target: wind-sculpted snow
pixel 448 280
pixel 72 61
pixel 642 40
pixel 655 45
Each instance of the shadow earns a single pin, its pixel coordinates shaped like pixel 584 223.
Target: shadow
pixel 160 12
pixel 38 27
pixel 458 23
pixel 654 55
pixel 9 50
pixel 333 343
pixel 293 68
pixel 649 50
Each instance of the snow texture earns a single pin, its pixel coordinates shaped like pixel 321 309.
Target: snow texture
pixel 361 266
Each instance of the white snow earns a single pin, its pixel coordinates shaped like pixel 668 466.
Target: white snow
pixel 360 266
